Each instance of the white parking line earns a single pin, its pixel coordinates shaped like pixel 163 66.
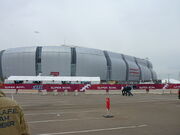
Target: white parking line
pixel 33 114
pixel 31 102
pixel 41 101
pixel 55 113
pixel 35 104
pixel 45 121
pixel 95 130
pixel 155 100
pixel 148 100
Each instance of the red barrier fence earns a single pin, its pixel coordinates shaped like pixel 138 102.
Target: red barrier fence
pixel 48 87
pixel 79 87
pixel 82 87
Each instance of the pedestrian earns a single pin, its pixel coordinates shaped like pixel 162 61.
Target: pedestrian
pixel 128 90
pixel 12 120
pixel 124 91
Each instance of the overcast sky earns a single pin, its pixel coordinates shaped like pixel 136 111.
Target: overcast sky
pixel 141 28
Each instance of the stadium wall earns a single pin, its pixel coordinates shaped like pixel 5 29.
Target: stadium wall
pixel 74 61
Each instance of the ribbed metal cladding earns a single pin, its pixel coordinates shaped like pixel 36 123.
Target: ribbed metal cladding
pixel 127 67
pixel 38 60
pixel 73 61
pixel 140 77
pixel 150 68
pixel 152 75
pixel 109 65
pixel 1 73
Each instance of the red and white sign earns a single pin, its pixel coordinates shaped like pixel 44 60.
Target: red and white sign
pixel 54 73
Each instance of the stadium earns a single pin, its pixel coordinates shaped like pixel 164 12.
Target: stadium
pixel 74 61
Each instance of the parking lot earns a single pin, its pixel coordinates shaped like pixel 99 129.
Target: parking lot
pixel 141 114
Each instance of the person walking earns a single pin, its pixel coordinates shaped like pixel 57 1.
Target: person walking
pixel 12 120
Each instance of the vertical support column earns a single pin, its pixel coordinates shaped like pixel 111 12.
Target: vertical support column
pixel 38 60
pixel 109 66
pixel 127 67
pixel 1 72
pixel 73 61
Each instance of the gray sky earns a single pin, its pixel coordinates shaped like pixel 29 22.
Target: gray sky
pixel 141 28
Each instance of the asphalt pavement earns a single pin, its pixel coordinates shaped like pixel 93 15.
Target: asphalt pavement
pixel 141 114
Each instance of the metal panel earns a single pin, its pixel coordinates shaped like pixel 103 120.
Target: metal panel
pixel 145 71
pixel 91 62
pixel 140 77
pixel 118 66
pixel 154 75
pixel 133 69
pixel 18 61
pixel 149 64
pixel 56 59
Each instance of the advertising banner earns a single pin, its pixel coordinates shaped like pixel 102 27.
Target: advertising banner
pixel 82 87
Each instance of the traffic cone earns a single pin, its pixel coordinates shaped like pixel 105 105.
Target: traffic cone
pixel 108 106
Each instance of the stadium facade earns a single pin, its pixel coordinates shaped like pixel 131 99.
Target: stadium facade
pixel 74 61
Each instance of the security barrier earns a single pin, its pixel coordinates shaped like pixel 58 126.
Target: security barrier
pixel 56 89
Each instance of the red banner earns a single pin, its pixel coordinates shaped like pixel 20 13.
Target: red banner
pixel 82 87
pixel 48 87
pixel 105 87
pixel 158 86
pixel 54 73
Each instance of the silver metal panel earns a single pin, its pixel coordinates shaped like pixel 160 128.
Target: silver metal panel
pixel 118 67
pixel 91 62
pixel 91 51
pixel 19 61
pixel 145 71
pixel 56 49
pixel 133 69
pixel 21 50
pixel 149 64
pixel 56 59
pixel 154 75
